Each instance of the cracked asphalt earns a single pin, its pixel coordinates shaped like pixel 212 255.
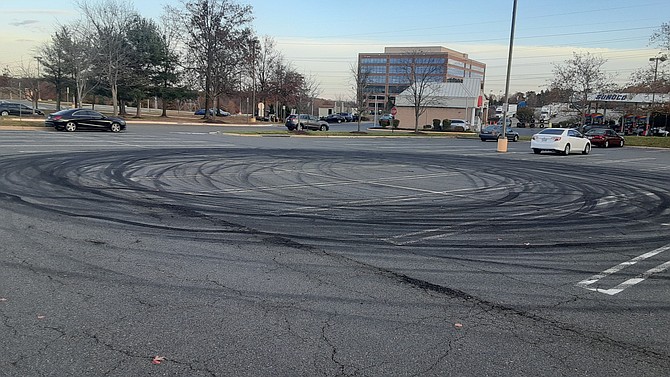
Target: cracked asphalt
pixel 276 256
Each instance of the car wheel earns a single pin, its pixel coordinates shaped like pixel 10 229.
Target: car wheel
pixel 323 128
pixel 115 127
pixel 607 144
pixel 621 143
pixel 537 151
pixel 566 151
pixel 4 113
pixel 71 127
pixel 516 138
pixel 483 139
pixel 587 149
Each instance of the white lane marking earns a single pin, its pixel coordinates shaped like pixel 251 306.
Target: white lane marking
pixel 630 282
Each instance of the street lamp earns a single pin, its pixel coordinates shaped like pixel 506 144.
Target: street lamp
pixel 502 142
pixel 653 89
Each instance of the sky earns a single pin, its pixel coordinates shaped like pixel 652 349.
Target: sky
pixel 322 39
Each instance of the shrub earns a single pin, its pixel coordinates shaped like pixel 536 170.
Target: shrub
pixel 427 127
pixel 384 123
pixel 446 124
pixel 396 123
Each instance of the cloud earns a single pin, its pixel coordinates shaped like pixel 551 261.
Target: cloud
pixel 24 22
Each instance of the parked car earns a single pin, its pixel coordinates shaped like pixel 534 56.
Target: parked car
pixel 75 119
pixel 460 123
pixel 335 118
pixel 305 122
pixel 218 112
pixel 348 117
pixel 560 140
pixel 657 131
pixel 10 108
pixel 492 132
pixel 604 137
pixel 385 120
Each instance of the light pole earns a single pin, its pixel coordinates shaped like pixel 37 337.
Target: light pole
pixel 653 89
pixel 502 141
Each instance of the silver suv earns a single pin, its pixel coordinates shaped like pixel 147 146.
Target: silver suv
pixel 305 122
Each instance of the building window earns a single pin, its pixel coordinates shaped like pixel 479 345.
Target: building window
pixel 373 69
pixel 455 72
pixel 457 63
pixel 477 68
pixel 395 69
pixel 429 60
pixel 373 60
pixel 398 79
pixel 401 60
pixel 434 69
pixel 376 79
pixel 375 89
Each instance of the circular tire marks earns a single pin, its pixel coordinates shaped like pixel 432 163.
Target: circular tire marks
pixel 374 207
pixel 368 198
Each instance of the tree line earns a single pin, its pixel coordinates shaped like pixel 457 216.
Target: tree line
pixel 199 46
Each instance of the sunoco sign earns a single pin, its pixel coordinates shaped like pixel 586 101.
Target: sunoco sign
pixel 624 97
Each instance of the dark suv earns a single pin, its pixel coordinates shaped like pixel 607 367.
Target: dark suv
pixel 10 108
pixel 305 122
pixel 348 117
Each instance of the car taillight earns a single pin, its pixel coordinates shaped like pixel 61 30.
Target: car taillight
pixel 557 138
pixel 57 117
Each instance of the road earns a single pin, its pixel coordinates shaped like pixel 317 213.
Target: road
pixel 247 256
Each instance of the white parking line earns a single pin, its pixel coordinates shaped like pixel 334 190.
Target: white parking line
pixel 630 282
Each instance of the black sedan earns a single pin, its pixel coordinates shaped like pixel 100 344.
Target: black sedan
pixel 75 119
pixel 335 118
pixel 10 108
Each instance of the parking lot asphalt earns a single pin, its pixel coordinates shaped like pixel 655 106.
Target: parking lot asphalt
pixel 227 255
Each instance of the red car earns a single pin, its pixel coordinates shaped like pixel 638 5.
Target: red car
pixel 605 137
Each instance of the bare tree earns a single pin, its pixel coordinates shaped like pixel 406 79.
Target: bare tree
pixel 661 37
pixel 266 59
pixel 649 79
pixel 28 73
pixel 360 77
pixel 308 92
pixel 110 19
pixel 214 33
pixel 580 76
pixel 423 76
pixel 80 52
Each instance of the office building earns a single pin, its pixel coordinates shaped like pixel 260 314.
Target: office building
pixel 388 72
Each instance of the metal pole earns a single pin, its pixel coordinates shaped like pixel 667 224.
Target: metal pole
pixel 509 70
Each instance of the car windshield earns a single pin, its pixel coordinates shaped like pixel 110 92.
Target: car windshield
pixel 596 132
pixel 552 131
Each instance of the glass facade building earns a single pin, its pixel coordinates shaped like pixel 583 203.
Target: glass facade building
pixel 392 70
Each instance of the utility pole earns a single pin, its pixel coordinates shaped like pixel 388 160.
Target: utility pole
pixel 653 89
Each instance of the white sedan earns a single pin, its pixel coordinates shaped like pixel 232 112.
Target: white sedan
pixel 560 140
